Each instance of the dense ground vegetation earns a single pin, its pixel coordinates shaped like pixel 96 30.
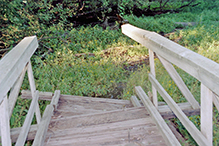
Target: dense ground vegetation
pixel 91 61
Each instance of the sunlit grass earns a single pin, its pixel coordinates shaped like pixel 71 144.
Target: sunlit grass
pixel 99 75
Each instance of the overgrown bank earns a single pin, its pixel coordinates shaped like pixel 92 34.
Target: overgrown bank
pixel 57 65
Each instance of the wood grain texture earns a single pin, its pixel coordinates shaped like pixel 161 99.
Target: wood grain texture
pixel 207 113
pixel 75 105
pixel 100 127
pixel 113 133
pixel 195 133
pixel 43 126
pixel 33 90
pixel 135 101
pixel 106 128
pixel 4 123
pixel 147 121
pixel 26 126
pixel 118 125
pixel 12 64
pixel 152 71
pixel 55 99
pixel 26 94
pixel 166 132
pixel 16 131
pixel 97 118
pixel 202 68
pixel 44 123
pixel 164 110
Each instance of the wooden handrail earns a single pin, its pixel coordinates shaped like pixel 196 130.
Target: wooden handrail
pixel 200 67
pixel 12 64
pixel 13 67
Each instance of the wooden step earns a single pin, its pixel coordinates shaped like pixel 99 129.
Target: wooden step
pixel 69 105
pixel 97 118
pixel 76 105
pixel 118 127
pixel 87 121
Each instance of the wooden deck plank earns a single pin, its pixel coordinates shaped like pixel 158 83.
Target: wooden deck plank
pixel 141 130
pixel 26 94
pixel 109 138
pixel 76 108
pixel 96 121
pixel 82 110
pixel 78 105
pixel 147 123
pixel 117 127
pixel 99 118
pixel 91 104
pixel 69 105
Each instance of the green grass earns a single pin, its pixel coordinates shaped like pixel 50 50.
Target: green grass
pixel 99 75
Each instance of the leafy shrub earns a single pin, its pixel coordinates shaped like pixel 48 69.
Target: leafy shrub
pixel 100 75
pixel 158 25
pixel 77 76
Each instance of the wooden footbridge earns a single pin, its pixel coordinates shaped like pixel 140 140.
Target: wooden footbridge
pixel 86 121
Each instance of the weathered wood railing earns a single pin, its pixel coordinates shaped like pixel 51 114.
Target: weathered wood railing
pixel 13 67
pixel 202 68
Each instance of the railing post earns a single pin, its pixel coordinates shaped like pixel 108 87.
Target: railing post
pixel 33 90
pixel 4 123
pixel 206 113
pixel 152 70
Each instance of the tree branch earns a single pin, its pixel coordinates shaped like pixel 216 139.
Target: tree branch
pixel 3 50
pixel 189 4
pixel 165 4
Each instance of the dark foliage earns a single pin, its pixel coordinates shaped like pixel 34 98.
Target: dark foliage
pixel 20 18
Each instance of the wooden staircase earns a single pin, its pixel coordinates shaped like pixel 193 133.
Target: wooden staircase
pixel 87 121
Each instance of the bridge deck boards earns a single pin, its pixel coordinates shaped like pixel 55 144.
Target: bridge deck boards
pixel 83 121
